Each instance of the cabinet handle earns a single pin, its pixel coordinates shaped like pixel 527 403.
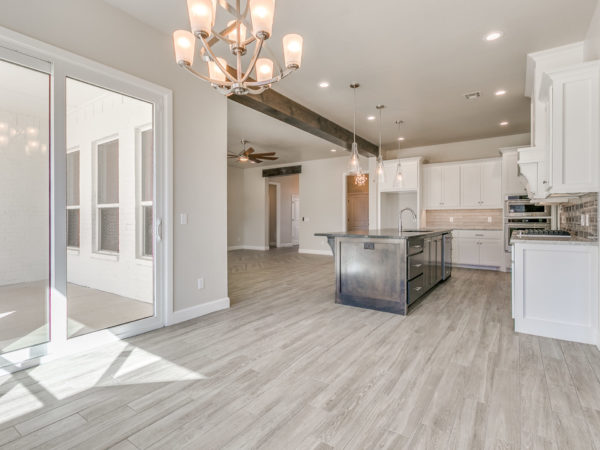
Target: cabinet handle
pixel 418 288
pixel 544 182
pixel 417 265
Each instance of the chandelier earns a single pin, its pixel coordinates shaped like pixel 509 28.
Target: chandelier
pixel 360 178
pixel 232 78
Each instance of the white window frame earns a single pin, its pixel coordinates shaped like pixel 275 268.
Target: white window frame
pixel 139 209
pixel 60 64
pixel 98 206
pixel 71 249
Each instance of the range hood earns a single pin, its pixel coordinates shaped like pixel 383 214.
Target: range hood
pixel 531 160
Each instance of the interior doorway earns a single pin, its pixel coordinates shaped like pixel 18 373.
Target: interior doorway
pixel 295 219
pixel 273 220
pixel 357 204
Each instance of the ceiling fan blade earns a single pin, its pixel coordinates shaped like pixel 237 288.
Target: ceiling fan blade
pixel 265 154
pixel 270 158
pixel 250 150
pixel 232 156
pixel 255 160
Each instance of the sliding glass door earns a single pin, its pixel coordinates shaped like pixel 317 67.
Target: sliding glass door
pixel 24 207
pixel 84 193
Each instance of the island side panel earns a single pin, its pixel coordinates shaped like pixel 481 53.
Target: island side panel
pixel 371 273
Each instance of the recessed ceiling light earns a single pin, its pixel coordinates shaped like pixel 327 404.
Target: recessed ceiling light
pixel 333 150
pixel 401 138
pixel 503 123
pixel 323 84
pixel 500 92
pixel 492 36
pixel 371 118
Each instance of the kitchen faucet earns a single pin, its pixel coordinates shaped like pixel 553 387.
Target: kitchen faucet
pixel 414 216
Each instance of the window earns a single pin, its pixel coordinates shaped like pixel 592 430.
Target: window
pixel 73 205
pixel 107 197
pixel 147 183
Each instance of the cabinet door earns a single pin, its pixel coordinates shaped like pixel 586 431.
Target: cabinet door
pixel 433 187
pixel 511 182
pixel 470 183
pixel 389 173
pixel 409 175
pixel 451 186
pixel 491 253
pixel 491 184
pixel 469 251
pixel 575 130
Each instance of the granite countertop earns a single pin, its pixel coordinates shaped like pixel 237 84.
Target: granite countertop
pixel 573 240
pixel 387 233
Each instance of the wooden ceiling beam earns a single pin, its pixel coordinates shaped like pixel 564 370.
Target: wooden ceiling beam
pixel 283 108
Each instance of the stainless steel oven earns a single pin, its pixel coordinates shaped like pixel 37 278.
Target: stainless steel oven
pixel 514 225
pixel 520 206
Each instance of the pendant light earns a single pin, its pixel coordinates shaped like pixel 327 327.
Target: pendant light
pixel 380 168
pixel 354 162
pixel 398 175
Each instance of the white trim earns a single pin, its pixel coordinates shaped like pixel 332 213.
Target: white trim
pixel 248 247
pixel 287 244
pixel 198 310
pixel 309 251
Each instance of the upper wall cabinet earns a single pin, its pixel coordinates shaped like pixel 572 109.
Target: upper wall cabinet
pixel 442 186
pixel 512 182
pixel 572 101
pixel 476 184
pixel 409 181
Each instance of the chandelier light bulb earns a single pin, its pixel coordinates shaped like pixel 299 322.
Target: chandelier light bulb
pixel 214 71
pixel 33 144
pixel 264 69
pixel 13 132
pixel 233 33
pixel 243 158
pixel 202 16
pixel 184 43
pixel 262 12
pixel 32 131
pixel 3 126
pixel 292 50
pixel 3 141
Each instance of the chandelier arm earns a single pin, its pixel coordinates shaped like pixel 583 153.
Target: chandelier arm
pixel 216 61
pixel 275 58
pixel 257 49
pixel 204 77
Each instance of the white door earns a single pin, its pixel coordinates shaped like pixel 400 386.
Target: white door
pixel 295 219
pixel 469 251
pixel 433 187
pixel 491 184
pixel 470 180
pixel 491 253
pixel 451 186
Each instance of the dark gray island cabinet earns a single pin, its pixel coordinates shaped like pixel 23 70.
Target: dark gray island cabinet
pixel 387 270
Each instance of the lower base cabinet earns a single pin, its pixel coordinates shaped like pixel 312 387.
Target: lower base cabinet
pixel 478 248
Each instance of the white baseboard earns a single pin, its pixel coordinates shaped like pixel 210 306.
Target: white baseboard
pixel 310 251
pixel 287 244
pixel 247 247
pixel 197 311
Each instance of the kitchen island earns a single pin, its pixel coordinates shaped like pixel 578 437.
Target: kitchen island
pixel 388 270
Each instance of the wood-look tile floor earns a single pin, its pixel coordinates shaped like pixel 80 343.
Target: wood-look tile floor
pixel 285 367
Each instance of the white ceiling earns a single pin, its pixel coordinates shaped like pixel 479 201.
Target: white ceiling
pixel 418 57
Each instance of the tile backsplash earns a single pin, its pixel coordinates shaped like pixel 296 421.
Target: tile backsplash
pixel 484 219
pixel 570 216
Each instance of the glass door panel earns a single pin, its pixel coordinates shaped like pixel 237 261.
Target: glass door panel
pixel 24 207
pixel 110 192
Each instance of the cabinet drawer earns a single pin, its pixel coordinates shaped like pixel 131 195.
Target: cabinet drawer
pixel 414 246
pixel 479 234
pixel 416 265
pixel 416 288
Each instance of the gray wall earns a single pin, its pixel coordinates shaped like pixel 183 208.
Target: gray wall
pixel 100 32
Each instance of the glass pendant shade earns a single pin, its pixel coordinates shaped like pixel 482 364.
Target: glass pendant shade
pixel 202 16
pixel 398 177
pixel 354 162
pixel 262 12
pixel 264 69
pixel 184 43
pixel 214 72
pixel 292 50
pixel 380 170
pixel 233 33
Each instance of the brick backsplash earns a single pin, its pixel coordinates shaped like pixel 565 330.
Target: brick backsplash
pixel 570 216
pixel 464 218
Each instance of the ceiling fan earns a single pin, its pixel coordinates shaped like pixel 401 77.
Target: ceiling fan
pixel 249 155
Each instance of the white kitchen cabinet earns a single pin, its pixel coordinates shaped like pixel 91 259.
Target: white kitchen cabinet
pixel 512 183
pixel 479 248
pixel 481 184
pixel 442 186
pixel 410 175
pixel 572 100
pixel 555 290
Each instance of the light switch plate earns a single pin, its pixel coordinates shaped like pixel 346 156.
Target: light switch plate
pixel 489 220
pixel 183 218
pixel 200 283
pixel 451 219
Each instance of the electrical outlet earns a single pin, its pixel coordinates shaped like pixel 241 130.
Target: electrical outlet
pixel 183 218
pixel 489 219
pixel 200 283
pixel 451 219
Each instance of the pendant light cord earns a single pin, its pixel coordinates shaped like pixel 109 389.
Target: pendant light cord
pixel 379 154
pixel 354 128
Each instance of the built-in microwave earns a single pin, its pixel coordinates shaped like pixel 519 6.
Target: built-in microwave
pixel 521 206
